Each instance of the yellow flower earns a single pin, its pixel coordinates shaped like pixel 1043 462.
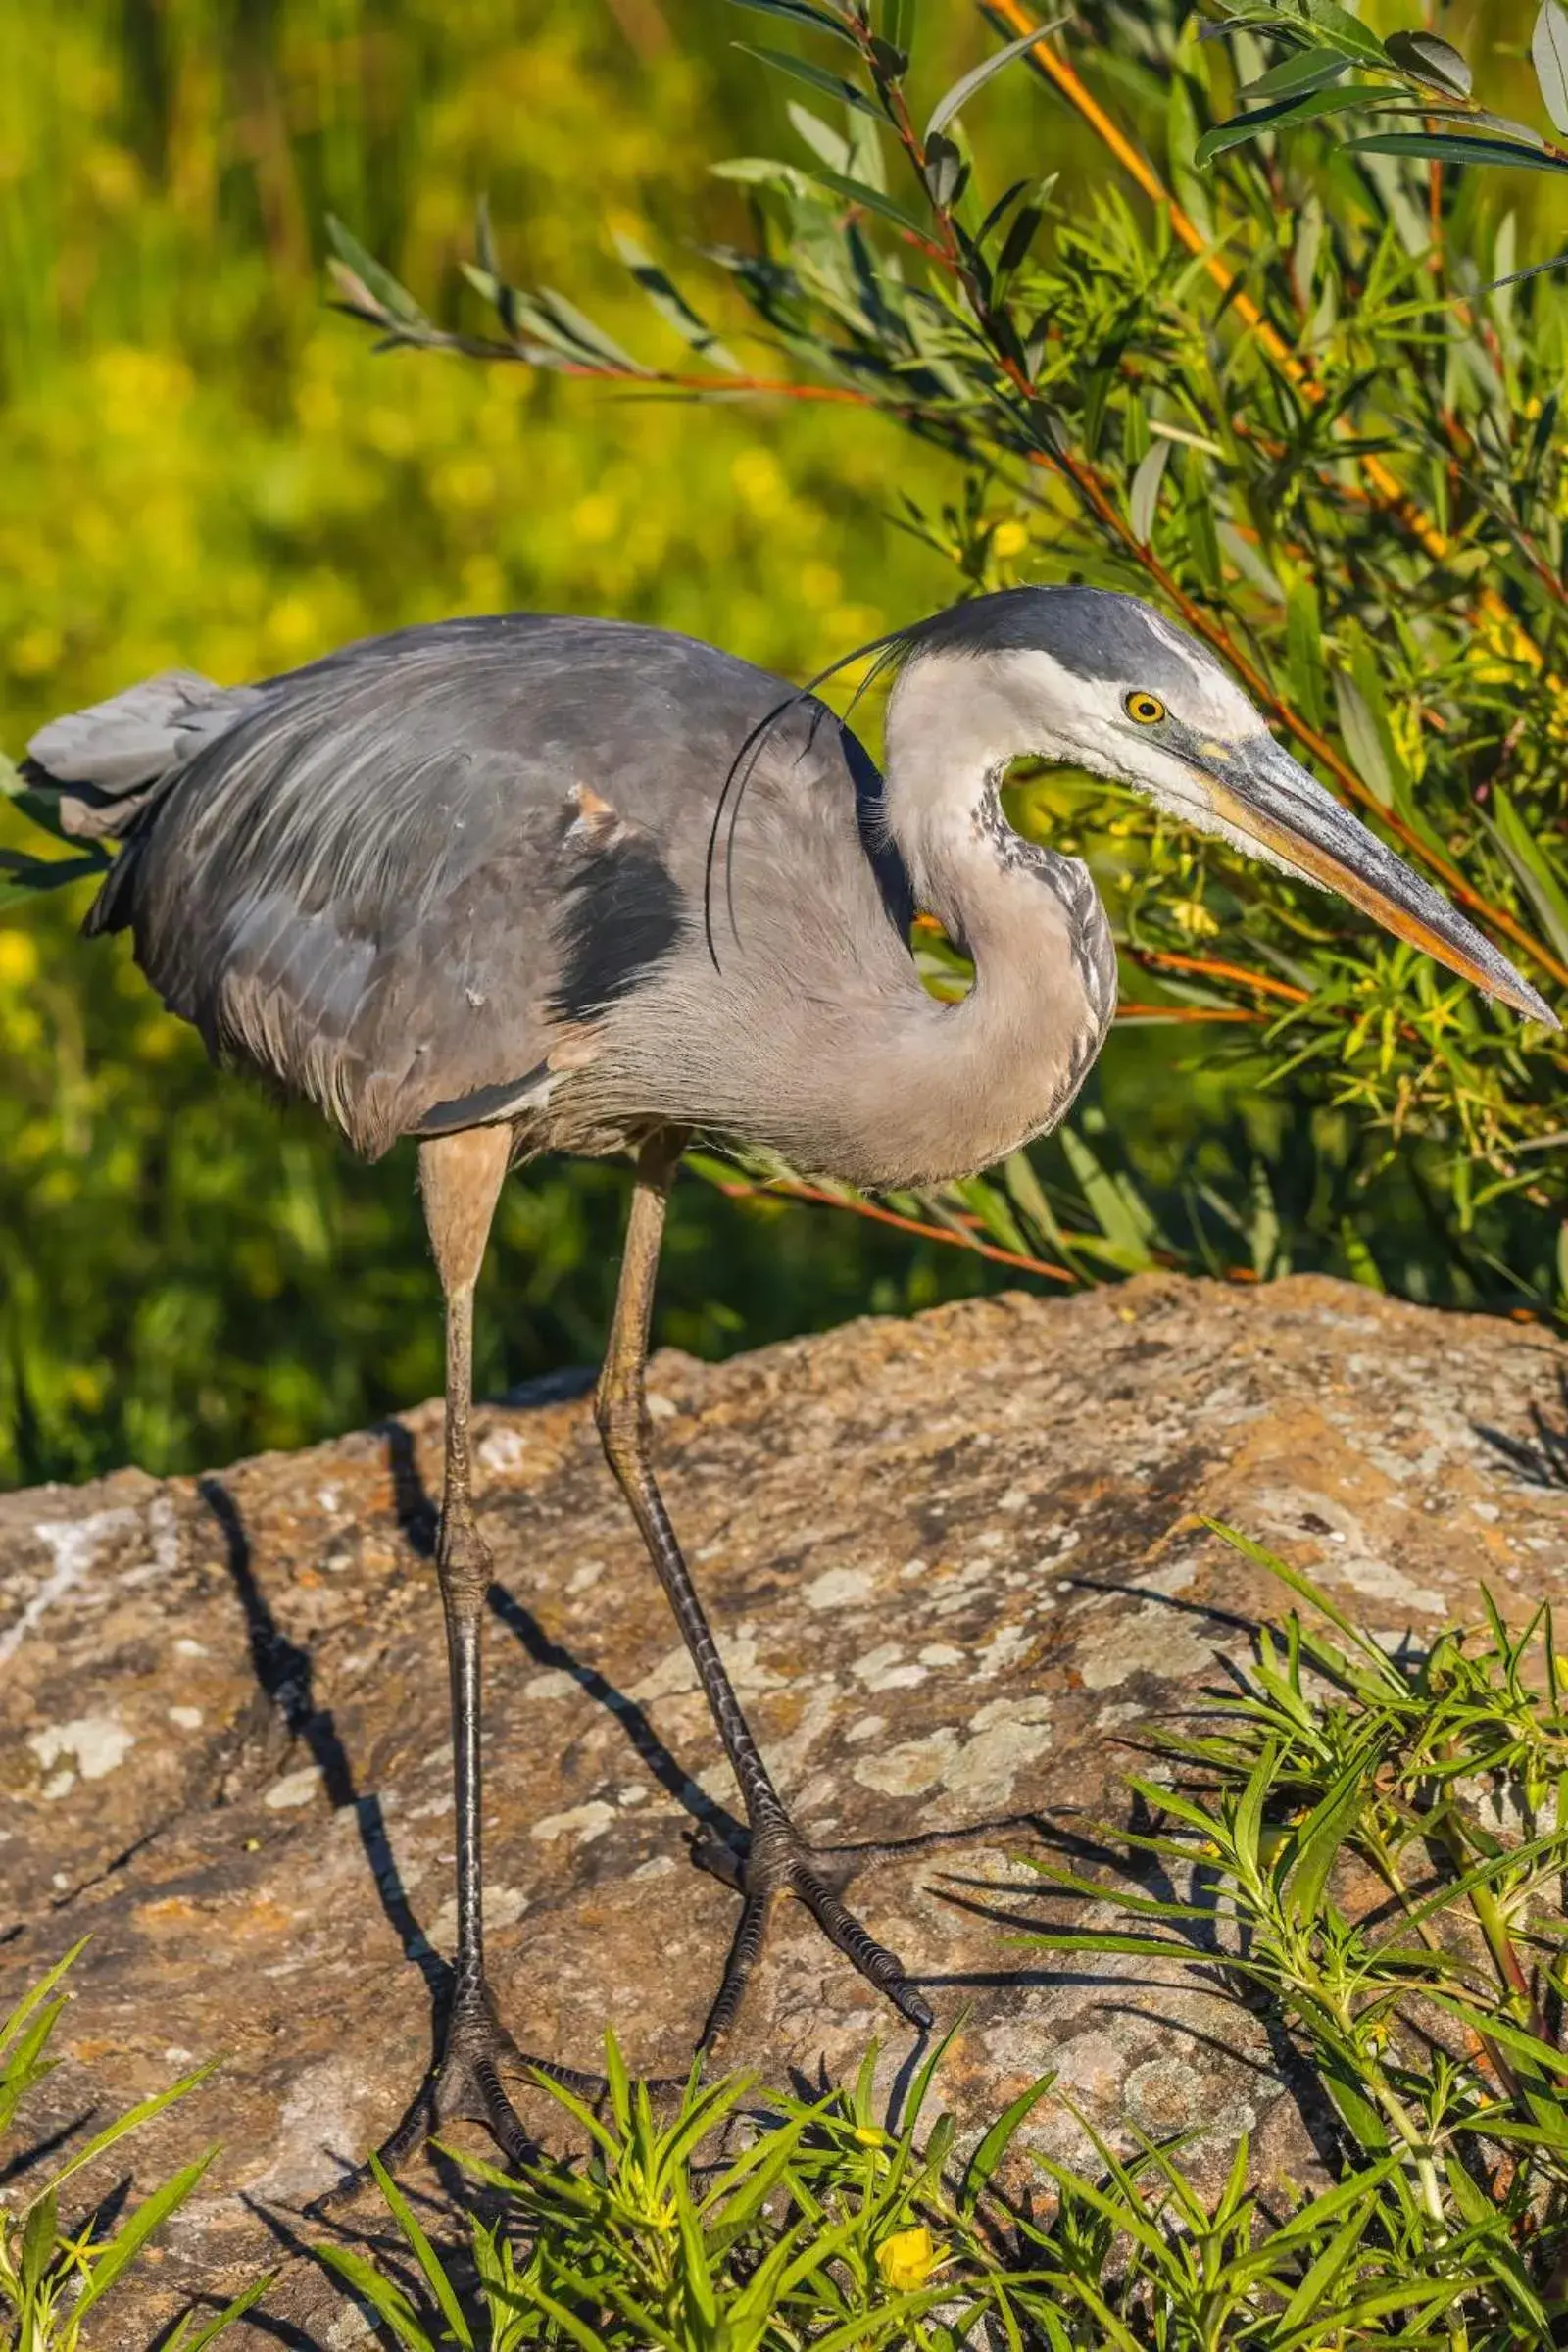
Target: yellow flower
pixel 756 476
pixel 18 959
pixel 36 651
pixel 1008 539
pixel 596 517
pixel 1192 917
pixel 867 2136
pixel 907 2259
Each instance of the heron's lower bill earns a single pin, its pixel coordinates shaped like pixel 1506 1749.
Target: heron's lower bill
pixel 1269 797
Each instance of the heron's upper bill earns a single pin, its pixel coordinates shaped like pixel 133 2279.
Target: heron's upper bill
pixel 1264 795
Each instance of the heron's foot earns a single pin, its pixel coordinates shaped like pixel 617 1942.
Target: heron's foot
pixel 465 2084
pixel 779 1861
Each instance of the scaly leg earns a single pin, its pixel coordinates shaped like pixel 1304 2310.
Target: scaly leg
pixel 778 1859
pixel 460 1180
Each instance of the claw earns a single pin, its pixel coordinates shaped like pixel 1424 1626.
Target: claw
pixel 464 2083
pixel 781 1862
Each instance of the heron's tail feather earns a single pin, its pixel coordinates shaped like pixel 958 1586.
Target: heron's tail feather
pixel 107 766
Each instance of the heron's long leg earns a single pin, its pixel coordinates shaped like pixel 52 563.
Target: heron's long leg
pixel 459 1180
pixel 778 1858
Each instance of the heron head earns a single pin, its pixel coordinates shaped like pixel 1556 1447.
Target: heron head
pixel 1102 681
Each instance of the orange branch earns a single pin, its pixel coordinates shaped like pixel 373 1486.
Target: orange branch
pixel 1210 968
pixel 887 1216
pixel 711 384
pixel 1127 1010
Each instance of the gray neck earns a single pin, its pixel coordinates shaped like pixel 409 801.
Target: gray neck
pixel 942 1090
pixel 825 1048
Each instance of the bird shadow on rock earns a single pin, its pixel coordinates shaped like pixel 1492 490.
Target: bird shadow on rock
pixel 420 1519
pixel 413 1506
pixel 1543 1463
pixel 285 1675
pixel 645 1742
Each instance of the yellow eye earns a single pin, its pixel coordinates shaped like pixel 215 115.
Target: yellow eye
pixel 1146 709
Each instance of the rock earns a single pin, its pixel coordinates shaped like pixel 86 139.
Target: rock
pixel 956 1566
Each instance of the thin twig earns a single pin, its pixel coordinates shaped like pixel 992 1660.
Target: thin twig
pixel 792 1191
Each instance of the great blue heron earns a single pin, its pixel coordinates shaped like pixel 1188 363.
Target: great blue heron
pixel 468 883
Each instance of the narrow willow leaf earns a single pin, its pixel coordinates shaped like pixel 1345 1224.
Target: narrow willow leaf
pixel 1182 132
pixel 1019 239
pixel 1202 539
pixel 1303 642
pixel 1143 502
pixel 208 2332
pixel 946 174
pixel 109 2262
pixel 1362 740
pixel 1548 51
pixel 35 1996
pixel 964 88
pixel 989 2154
pixel 424 2254
pixel 671 303
pixel 388 2301
pixel 386 292
pixel 1429 58
pixel 1532 863
pixel 1126 1232
pixel 828 145
pixel 565 315
pixel 1325 1830
pixel 799 13
pixel 999 211
pixel 874 201
pixel 1340 26
pixel 1295 76
pixel 1443 147
pixel 815 78
pixel 1305 1588
pixel 1286 115
pixel 38 2233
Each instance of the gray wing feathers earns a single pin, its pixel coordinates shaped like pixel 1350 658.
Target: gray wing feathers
pixel 378 881
pixel 400 880
pixel 346 893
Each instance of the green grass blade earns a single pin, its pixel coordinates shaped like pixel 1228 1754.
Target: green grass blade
pixel 109 2261
pixel 134 2119
pixel 424 2254
pixel 386 2300
pixel 996 2141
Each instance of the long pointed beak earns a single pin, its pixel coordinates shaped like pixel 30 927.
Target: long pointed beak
pixel 1264 793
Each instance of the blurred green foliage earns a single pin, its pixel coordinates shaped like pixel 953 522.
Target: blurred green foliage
pixel 202 465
